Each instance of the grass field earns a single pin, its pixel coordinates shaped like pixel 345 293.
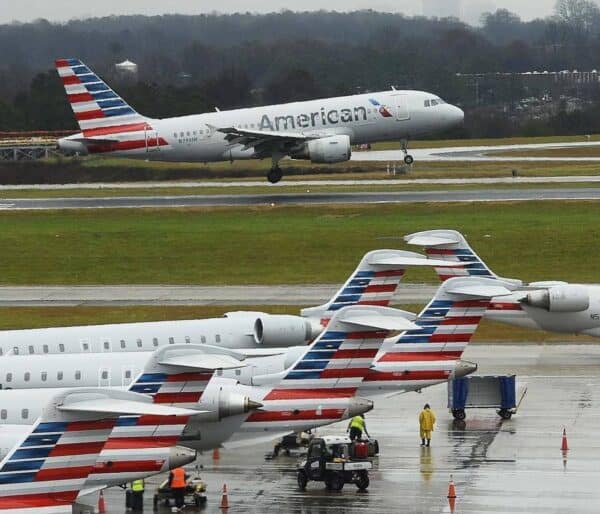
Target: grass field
pixel 38 317
pixel 285 245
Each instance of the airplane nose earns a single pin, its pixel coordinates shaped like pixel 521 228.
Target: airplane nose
pixel 359 406
pixel 180 456
pixel 457 115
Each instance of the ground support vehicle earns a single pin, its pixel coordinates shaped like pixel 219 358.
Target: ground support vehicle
pixel 333 460
pixel 194 493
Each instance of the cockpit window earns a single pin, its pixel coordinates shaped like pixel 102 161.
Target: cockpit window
pixel 434 102
pixel 427 103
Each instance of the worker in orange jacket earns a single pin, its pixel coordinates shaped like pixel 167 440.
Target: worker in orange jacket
pixel 177 483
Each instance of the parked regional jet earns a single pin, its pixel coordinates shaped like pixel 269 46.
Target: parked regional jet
pixel 554 306
pixel 373 282
pixel 322 131
pixel 48 465
pixel 318 389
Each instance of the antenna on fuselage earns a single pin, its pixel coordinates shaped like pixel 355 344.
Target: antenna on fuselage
pixel 394 88
pixel 217 109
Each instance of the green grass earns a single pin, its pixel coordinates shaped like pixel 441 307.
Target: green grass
pixel 38 317
pixel 280 245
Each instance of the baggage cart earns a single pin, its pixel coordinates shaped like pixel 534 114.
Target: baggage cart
pixel 484 392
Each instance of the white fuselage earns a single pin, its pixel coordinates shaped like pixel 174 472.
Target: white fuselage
pixel 398 115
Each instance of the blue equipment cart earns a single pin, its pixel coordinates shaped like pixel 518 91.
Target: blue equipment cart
pixel 483 392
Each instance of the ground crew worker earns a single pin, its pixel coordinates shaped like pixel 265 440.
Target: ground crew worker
pixel 426 422
pixel 357 426
pixel 137 495
pixel 177 482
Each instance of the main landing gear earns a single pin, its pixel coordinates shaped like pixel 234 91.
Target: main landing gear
pixel 408 159
pixel 274 175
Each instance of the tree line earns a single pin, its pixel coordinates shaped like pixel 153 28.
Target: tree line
pixel 190 64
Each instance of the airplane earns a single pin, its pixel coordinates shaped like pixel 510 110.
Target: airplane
pixel 317 389
pixel 426 358
pixel 48 464
pixel 554 306
pixel 373 282
pixel 322 131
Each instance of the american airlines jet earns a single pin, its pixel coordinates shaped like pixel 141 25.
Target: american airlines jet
pixel 322 131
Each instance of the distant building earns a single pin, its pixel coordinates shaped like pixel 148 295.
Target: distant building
pixel 441 8
pixel 127 67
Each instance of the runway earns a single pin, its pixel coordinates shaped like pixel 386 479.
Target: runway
pixel 498 466
pixel 120 295
pixel 272 200
pixel 478 153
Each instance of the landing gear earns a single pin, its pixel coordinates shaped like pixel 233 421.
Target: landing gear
pixel 275 174
pixel 408 159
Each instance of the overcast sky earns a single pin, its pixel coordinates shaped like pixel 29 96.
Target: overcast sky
pixel 61 10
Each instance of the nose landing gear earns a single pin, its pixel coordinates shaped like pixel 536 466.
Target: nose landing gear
pixel 408 159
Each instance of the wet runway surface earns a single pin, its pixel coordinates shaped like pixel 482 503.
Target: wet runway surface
pixel 499 466
pixel 472 195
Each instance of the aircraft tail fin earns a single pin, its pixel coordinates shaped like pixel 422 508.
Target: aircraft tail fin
pixel 98 109
pixel 373 282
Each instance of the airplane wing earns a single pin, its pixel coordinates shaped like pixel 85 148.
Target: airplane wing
pixel 263 141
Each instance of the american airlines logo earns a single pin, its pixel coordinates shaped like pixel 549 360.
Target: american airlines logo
pixel 322 117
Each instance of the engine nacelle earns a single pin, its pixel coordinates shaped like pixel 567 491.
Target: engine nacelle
pixel 221 400
pixel 326 150
pixel 565 298
pixel 284 330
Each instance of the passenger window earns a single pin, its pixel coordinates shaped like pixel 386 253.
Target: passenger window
pixel 59 375
pixel 174 134
pixel 171 340
pixel 433 102
pixel 78 375
pixel 139 343
pixel 128 373
pixel 187 340
pixel 61 348
pixel 44 376
pixel 45 348
pixel 1 351
pixel 16 350
pixel 203 339
pixel 24 413
pixel 85 347
pixel 104 375
pixel 123 345
pixel 218 338
pixel 31 349
pixel 27 376
pixel 155 341
pixel 106 345
pixel 9 377
pixel 238 372
pixel 3 414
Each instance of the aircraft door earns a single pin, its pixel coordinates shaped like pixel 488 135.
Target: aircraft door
pixel 151 137
pixel 402 111
pixel 315 460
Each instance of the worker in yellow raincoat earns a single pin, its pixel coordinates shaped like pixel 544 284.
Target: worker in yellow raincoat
pixel 426 422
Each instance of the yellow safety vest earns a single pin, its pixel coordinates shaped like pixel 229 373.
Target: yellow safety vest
pixel 358 422
pixel 137 486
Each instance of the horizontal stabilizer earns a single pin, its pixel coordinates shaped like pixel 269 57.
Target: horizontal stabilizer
pixel 91 141
pixel 114 402
pixel 430 240
pixel 387 319
pixel 416 261
pixel 479 291
pixel 203 362
pixel 263 352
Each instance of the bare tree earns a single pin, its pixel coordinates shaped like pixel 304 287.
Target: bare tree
pixel 581 15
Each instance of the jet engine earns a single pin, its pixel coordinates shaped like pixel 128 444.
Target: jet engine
pixel 325 150
pixel 284 330
pixel 222 400
pixel 563 298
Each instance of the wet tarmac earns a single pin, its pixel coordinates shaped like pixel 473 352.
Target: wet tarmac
pixel 498 466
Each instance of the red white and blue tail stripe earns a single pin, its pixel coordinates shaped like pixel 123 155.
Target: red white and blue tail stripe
pixel 429 354
pixel 373 282
pixel 46 470
pixel 318 387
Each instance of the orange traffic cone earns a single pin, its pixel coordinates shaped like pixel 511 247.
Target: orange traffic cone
pixel 451 489
pixel 565 445
pixel 101 505
pixel 224 500
pixel 216 454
